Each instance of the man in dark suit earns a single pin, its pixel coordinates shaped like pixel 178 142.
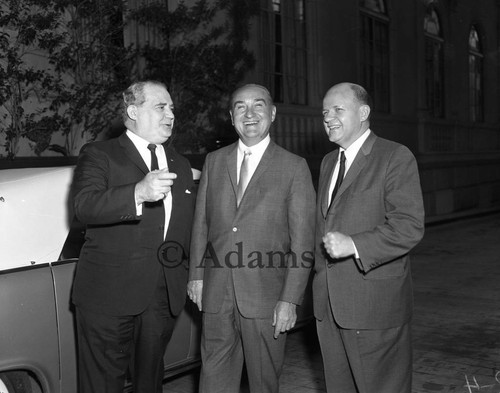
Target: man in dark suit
pixel 367 221
pixel 136 197
pixel 251 249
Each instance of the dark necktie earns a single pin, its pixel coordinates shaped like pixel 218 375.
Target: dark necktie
pixel 340 177
pixel 154 159
pixel 154 166
pixel 244 177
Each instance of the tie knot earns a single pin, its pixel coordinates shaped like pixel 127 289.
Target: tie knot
pixel 151 147
pixel 342 156
pixel 247 153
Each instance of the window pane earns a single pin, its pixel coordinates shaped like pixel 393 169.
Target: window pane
pixel 375 67
pixel 434 64
pixel 285 48
pixel 434 78
pixel 431 23
pixel 374 5
pixel 474 41
pixel 475 77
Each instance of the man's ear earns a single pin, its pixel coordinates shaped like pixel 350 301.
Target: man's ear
pixel 231 115
pixel 132 112
pixel 273 113
pixel 364 112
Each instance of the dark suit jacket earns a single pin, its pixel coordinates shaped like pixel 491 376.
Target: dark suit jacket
pixel 269 239
pixel 379 204
pixel 119 266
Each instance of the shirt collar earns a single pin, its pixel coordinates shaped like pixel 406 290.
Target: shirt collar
pixel 258 149
pixel 352 151
pixel 139 142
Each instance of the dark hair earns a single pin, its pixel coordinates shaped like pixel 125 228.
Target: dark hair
pixel 250 85
pixel 134 94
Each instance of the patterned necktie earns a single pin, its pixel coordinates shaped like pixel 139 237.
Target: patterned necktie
pixel 154 159
pixel 340 177
pixel 244 177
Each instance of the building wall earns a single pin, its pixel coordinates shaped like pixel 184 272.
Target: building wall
pixel 459 160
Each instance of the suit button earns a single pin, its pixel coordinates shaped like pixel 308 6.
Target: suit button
pixel 235 229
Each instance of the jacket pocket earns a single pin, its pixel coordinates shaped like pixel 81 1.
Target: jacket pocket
pixel 389 270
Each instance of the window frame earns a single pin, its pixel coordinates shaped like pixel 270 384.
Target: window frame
pixel 285 51
pixel 434 66
pixel 375 57
pixel 476 77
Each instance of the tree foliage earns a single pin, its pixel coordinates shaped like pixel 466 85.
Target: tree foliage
pixel 62 71
pixel 201 56
pixel 23 28
pixel 64 62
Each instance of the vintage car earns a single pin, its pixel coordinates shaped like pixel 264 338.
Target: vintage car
pixel 39 247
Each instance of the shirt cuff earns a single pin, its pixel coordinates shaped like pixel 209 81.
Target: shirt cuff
pixel 138 209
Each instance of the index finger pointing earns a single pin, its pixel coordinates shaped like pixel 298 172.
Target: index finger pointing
pixel 165 175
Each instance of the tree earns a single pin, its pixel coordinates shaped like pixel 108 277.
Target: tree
pixel 23 28
pixel 67 60
pixel 92 66
pixel 201 57
pixel 64 64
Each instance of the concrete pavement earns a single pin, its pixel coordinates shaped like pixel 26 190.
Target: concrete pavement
pixel 456 325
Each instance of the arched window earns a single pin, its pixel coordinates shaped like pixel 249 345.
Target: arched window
pixel 476 103
pixel 434 64
pixel 284 48
pixel 375 67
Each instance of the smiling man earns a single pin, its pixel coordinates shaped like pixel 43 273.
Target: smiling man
pixel 134 194
pixel 255 198
pixel 369 216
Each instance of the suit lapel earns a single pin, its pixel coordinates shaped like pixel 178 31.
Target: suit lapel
pixel 353 172
pixel 356 167
pixel 173 166
pixel 263 165
pixel 231 164
pixel 132 153
pixel 328 173
pixel 171 162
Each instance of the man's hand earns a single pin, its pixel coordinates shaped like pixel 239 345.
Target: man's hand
pixel 338 245
pixel 284 317
pixel 194 290
pixel 155 186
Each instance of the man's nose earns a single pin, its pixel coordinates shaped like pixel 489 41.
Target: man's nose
pixel 249 112
pixel 328 117
pixel 168 113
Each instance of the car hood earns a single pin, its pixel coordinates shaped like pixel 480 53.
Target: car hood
pixel 34 215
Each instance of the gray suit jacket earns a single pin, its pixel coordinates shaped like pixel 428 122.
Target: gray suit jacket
pixel 266 244
pixel 379 205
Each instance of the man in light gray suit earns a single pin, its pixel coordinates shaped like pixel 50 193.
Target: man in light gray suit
pixel 369 216
pixel 251 249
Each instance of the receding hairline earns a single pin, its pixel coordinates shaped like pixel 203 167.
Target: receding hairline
pixel 252 85
pixel 358 92
pixel 135 94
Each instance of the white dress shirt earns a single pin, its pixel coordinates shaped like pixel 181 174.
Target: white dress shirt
pixel 142 147
pixel 254 158
pixel 350 154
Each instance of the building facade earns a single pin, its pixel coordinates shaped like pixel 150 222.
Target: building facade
pixel 432 68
